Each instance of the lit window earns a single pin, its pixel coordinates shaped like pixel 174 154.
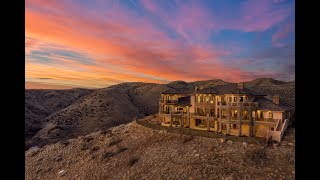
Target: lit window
pixel 199 99
pixel 207 99
pixel 270 115
pixel 235 99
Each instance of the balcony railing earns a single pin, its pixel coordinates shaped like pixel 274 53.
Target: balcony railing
pixel 198 114
pixel 266 120
pixel 164 112
pixel 173 113
pixel 169 101
pixel 239 103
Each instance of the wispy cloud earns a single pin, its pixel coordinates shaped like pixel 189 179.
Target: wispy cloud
pixel 104 42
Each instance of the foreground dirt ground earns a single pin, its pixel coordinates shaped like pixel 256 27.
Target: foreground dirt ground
pixel 134 152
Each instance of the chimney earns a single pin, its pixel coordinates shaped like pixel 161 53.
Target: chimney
pixel 276 99
pixel 201 87
pixel 240 85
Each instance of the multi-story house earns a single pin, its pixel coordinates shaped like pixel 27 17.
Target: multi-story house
pixel 229 109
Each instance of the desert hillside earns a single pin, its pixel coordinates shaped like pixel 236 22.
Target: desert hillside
pixel 40 103
pixel 286 90
pixel 143 153
pixel 55 115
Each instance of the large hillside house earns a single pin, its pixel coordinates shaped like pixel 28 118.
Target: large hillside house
pixel 229 109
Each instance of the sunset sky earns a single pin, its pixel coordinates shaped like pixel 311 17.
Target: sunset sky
pixel 98 43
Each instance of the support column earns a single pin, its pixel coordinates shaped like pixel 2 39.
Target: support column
pixel 240 119
pixel 254 124
pixel 228 120
pixel 216 126
pixel 250 122
pixel 170 119
pixel 208 122
pixel 189 119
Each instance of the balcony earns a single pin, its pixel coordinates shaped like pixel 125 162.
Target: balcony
pixel 169 101
pixel 173 113
pixel 266 120
pixel 198 114
pixel 234 104
pixel 164 112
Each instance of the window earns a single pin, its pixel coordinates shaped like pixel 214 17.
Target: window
pixel 211 99
pixel 235 113
pixel 234 126
pixel 223 127
pixel 241 99
pixel 230 99
pixel 235 99
pixel 199 122
pixel 272 129
pixel 270 115
pixel 245 114
pixel 207 99
pixel 199 99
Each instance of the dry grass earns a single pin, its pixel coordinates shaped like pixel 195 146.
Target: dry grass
pixel 256 156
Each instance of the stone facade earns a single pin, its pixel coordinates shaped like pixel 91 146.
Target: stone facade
pixel 239 112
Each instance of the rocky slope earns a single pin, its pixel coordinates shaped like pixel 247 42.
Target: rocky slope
pixel 134 152
pixel 41 103
pixel 286 90
pixel 55 115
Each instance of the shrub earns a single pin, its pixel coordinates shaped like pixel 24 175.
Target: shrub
pixel 256 156
pixel 114 142
pixel 121 149
pixel 85 147
pixel 108 154
pixel 187 139
pixel 133 161
pixel 94 149
pixel 87 139
pixel 65 143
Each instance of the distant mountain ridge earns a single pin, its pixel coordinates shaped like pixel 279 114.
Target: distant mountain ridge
pixel 54 115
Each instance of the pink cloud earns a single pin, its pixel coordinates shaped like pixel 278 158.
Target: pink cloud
pixel 134 46
pixel 282 33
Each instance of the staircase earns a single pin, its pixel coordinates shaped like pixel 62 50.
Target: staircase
pixel 280 129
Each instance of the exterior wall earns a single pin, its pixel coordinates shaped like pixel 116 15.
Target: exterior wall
pixel 167 119
pixel 277 115
pixel 192 123
pixel 245 130
pixel 261 130
pixel 203 106
pixel 234 132
pixel 265 114
pixel 193 100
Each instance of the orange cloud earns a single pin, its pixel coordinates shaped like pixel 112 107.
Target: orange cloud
pixel 133 46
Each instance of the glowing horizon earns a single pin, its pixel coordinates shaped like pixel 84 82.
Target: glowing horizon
pixel 95 44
